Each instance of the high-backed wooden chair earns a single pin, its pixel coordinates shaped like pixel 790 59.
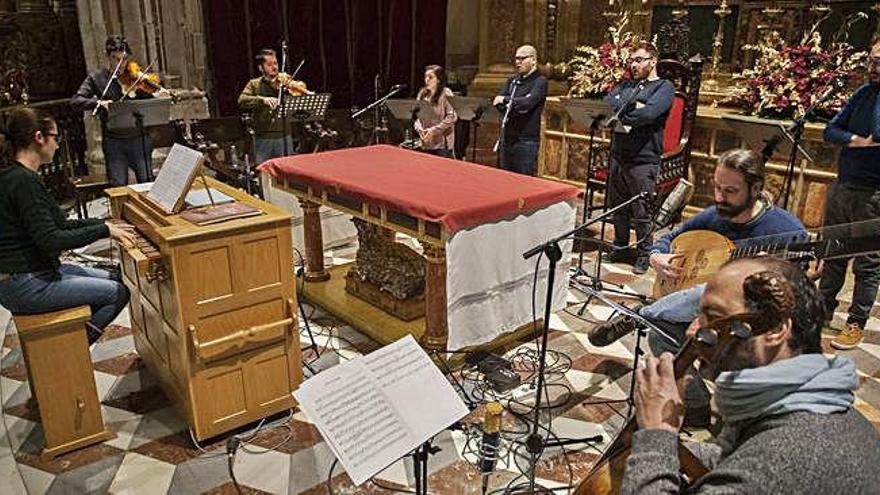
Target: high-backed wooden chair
pixel 675 162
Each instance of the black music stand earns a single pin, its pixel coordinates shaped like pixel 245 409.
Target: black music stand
pixel 475 110
pixel 408 110
pixel 589 113
pixel 768 135
pixel 305 108
pixel 139 114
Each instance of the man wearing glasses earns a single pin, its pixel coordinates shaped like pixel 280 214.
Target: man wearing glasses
pixel 855 197
pixel 521 101
pixel 643 104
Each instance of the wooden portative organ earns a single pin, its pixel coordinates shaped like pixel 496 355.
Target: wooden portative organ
pixel 213 309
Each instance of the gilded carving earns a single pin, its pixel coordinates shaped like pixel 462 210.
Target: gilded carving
pixel 391 266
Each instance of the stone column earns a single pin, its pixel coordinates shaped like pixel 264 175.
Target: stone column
pixel 314 242
pixel 436 327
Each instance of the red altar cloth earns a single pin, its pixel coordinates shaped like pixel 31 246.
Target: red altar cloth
pixel 458 194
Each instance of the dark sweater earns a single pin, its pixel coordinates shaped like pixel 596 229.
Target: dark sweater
pixel 89 92
pixel 251 98
pixel 644 142
pixel 772 225
pixel 33 229
pixel 799 452
pixel 861 116
pixel 528 96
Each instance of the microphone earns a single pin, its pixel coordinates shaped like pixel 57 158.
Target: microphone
pixel 398 87
pixel 673 203
pixel 491 441
pixel 491 436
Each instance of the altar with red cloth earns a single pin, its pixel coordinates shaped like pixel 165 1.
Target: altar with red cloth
pixel 472 221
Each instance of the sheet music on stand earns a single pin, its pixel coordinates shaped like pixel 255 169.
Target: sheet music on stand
pixel 469 107
pixel 305 108
pixel 758 132
pixel 175 178
pixel 376 408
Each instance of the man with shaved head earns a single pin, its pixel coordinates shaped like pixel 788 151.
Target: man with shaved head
pixel 789 421
pixel 521 101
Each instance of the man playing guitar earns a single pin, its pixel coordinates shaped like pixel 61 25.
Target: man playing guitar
pixel 742 214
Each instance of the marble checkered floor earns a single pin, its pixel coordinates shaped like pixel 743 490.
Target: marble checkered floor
pixel 153 452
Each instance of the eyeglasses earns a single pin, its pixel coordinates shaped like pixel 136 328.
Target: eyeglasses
pixel 639 60
pixel 522 57
pixel 55 135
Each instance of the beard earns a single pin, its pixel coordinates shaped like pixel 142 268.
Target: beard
pixel 730 210
pixel 740 355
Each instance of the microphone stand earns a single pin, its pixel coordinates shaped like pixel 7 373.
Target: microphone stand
pixel 394 90
pixel 534 443
pixel 596 284
pixel 282 96
pixel 796 130
pixel 500 145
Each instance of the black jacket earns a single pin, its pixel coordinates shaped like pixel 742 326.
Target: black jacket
pixel 528 95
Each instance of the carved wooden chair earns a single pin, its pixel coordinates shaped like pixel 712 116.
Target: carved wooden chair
pixel 675 162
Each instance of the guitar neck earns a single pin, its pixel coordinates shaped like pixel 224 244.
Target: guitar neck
pixel 821 249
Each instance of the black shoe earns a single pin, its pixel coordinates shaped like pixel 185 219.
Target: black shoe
pixel 610 331
pixel 641 265
pixel 621 255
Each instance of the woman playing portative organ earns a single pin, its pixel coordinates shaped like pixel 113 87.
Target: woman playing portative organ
pixel 34 232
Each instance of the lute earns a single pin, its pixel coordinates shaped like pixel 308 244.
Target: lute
pixel 703 252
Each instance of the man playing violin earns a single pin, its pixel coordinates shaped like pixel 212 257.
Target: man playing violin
pixel 789 421
pixel 123 148
pixel 260 96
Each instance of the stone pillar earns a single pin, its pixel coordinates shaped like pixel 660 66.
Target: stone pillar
pixel 314 242
pixel 436 327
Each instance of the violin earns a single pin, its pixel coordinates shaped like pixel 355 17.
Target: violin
pixel 293 87
pixel 133 78
pixel 774 299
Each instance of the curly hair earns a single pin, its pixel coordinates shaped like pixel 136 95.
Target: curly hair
pixel 808 312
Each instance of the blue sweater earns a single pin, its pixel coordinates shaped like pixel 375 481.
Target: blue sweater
pixel 772 225
pixel 644 142
pixel 860 116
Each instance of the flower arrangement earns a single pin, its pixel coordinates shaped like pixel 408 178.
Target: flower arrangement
pixel 595 71
pixel 787 80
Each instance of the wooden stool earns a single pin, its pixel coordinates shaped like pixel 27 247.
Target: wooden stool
pixel 59 366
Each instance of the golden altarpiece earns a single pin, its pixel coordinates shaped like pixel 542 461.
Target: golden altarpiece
pixel 556 27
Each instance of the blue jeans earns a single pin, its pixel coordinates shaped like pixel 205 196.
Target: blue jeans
pixel 67 287
pixel 679 307
pixel 267 148
pixel 120 154
pixel 520 156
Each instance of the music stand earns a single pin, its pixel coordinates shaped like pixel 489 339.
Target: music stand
pixel 768 135
pixel 475 110
pixel 305 108
pixel 139 114
pixel 408 110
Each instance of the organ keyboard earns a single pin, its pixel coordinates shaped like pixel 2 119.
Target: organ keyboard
pixel 213 309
